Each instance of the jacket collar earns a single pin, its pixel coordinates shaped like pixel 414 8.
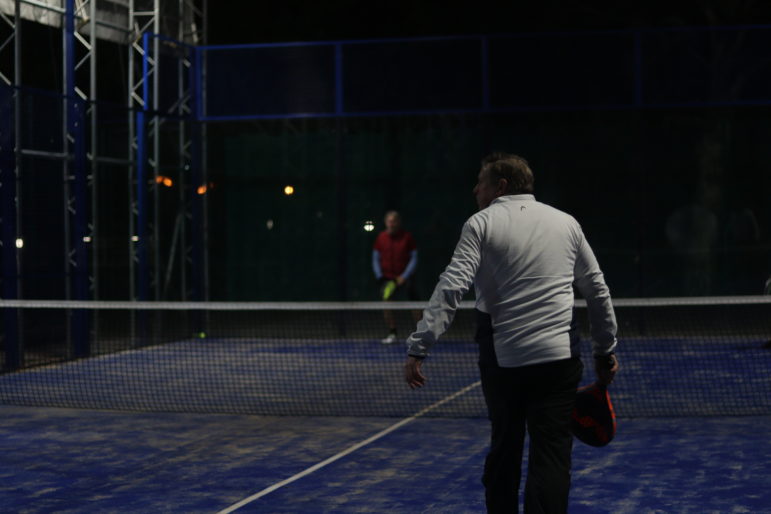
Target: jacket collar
pixel 514 198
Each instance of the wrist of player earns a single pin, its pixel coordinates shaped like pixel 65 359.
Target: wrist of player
pixel 608 359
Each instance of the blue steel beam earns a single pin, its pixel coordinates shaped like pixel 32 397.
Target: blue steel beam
pixel 339 99
pixel 143 272
pixel 8 235
pixel 522 35
pixel 75 145
pixel 636 97
pixel 197 178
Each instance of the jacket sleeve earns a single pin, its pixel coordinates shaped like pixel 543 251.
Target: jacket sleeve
pixel 590 282
pixel 410 269
pixel 453 283
pixel 376 264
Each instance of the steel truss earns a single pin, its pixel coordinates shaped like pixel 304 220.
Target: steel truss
pixel 142 25
pixel 156 34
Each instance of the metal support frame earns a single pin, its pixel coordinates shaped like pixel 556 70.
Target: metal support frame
pixel 75 190
pixel 144 19
pixel 149 281
pixel 82 25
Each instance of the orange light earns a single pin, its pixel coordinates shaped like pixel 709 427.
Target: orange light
pixel 162 179
pixel 204 188
pixel 289 190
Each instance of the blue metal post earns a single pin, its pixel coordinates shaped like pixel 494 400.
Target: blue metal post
pixel 638 64
pixel 484 48
pixel 197 222
pixel 342 191
pixel 80 278
pixel 197 83
pixel 339 106
pixel 141 194
pixel 9 257
pixel 143 278
pixel 76 148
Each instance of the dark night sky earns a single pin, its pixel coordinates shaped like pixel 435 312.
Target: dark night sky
pixel 256 21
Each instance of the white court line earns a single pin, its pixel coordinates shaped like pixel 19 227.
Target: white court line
pixel 347 451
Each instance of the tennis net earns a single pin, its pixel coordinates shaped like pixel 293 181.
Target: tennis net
pixel 679 357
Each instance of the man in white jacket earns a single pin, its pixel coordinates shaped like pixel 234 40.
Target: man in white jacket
pixel 523 258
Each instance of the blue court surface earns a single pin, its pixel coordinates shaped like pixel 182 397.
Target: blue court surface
pixel 68 460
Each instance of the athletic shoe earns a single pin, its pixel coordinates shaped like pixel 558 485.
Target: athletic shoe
pixel 391 339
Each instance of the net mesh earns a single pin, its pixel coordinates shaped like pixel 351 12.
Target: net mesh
pixel 679 357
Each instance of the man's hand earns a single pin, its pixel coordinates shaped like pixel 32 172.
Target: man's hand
pixel 400 281
pixel 606 367
pixel 412 373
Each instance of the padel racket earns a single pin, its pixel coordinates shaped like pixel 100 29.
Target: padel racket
pixel 594 420
pixel 388 289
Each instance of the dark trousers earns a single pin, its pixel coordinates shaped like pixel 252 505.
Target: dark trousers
pixel 538 399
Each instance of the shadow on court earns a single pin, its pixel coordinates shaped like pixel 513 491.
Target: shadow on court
pixel 93 461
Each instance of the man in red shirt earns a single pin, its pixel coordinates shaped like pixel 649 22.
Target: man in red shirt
pixel 394 258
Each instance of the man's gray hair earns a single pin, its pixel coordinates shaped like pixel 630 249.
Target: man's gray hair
pixel 513 168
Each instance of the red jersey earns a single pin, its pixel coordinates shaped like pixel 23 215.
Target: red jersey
pixel 394 252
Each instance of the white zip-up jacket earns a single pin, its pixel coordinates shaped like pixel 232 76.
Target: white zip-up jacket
pixel 523 258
